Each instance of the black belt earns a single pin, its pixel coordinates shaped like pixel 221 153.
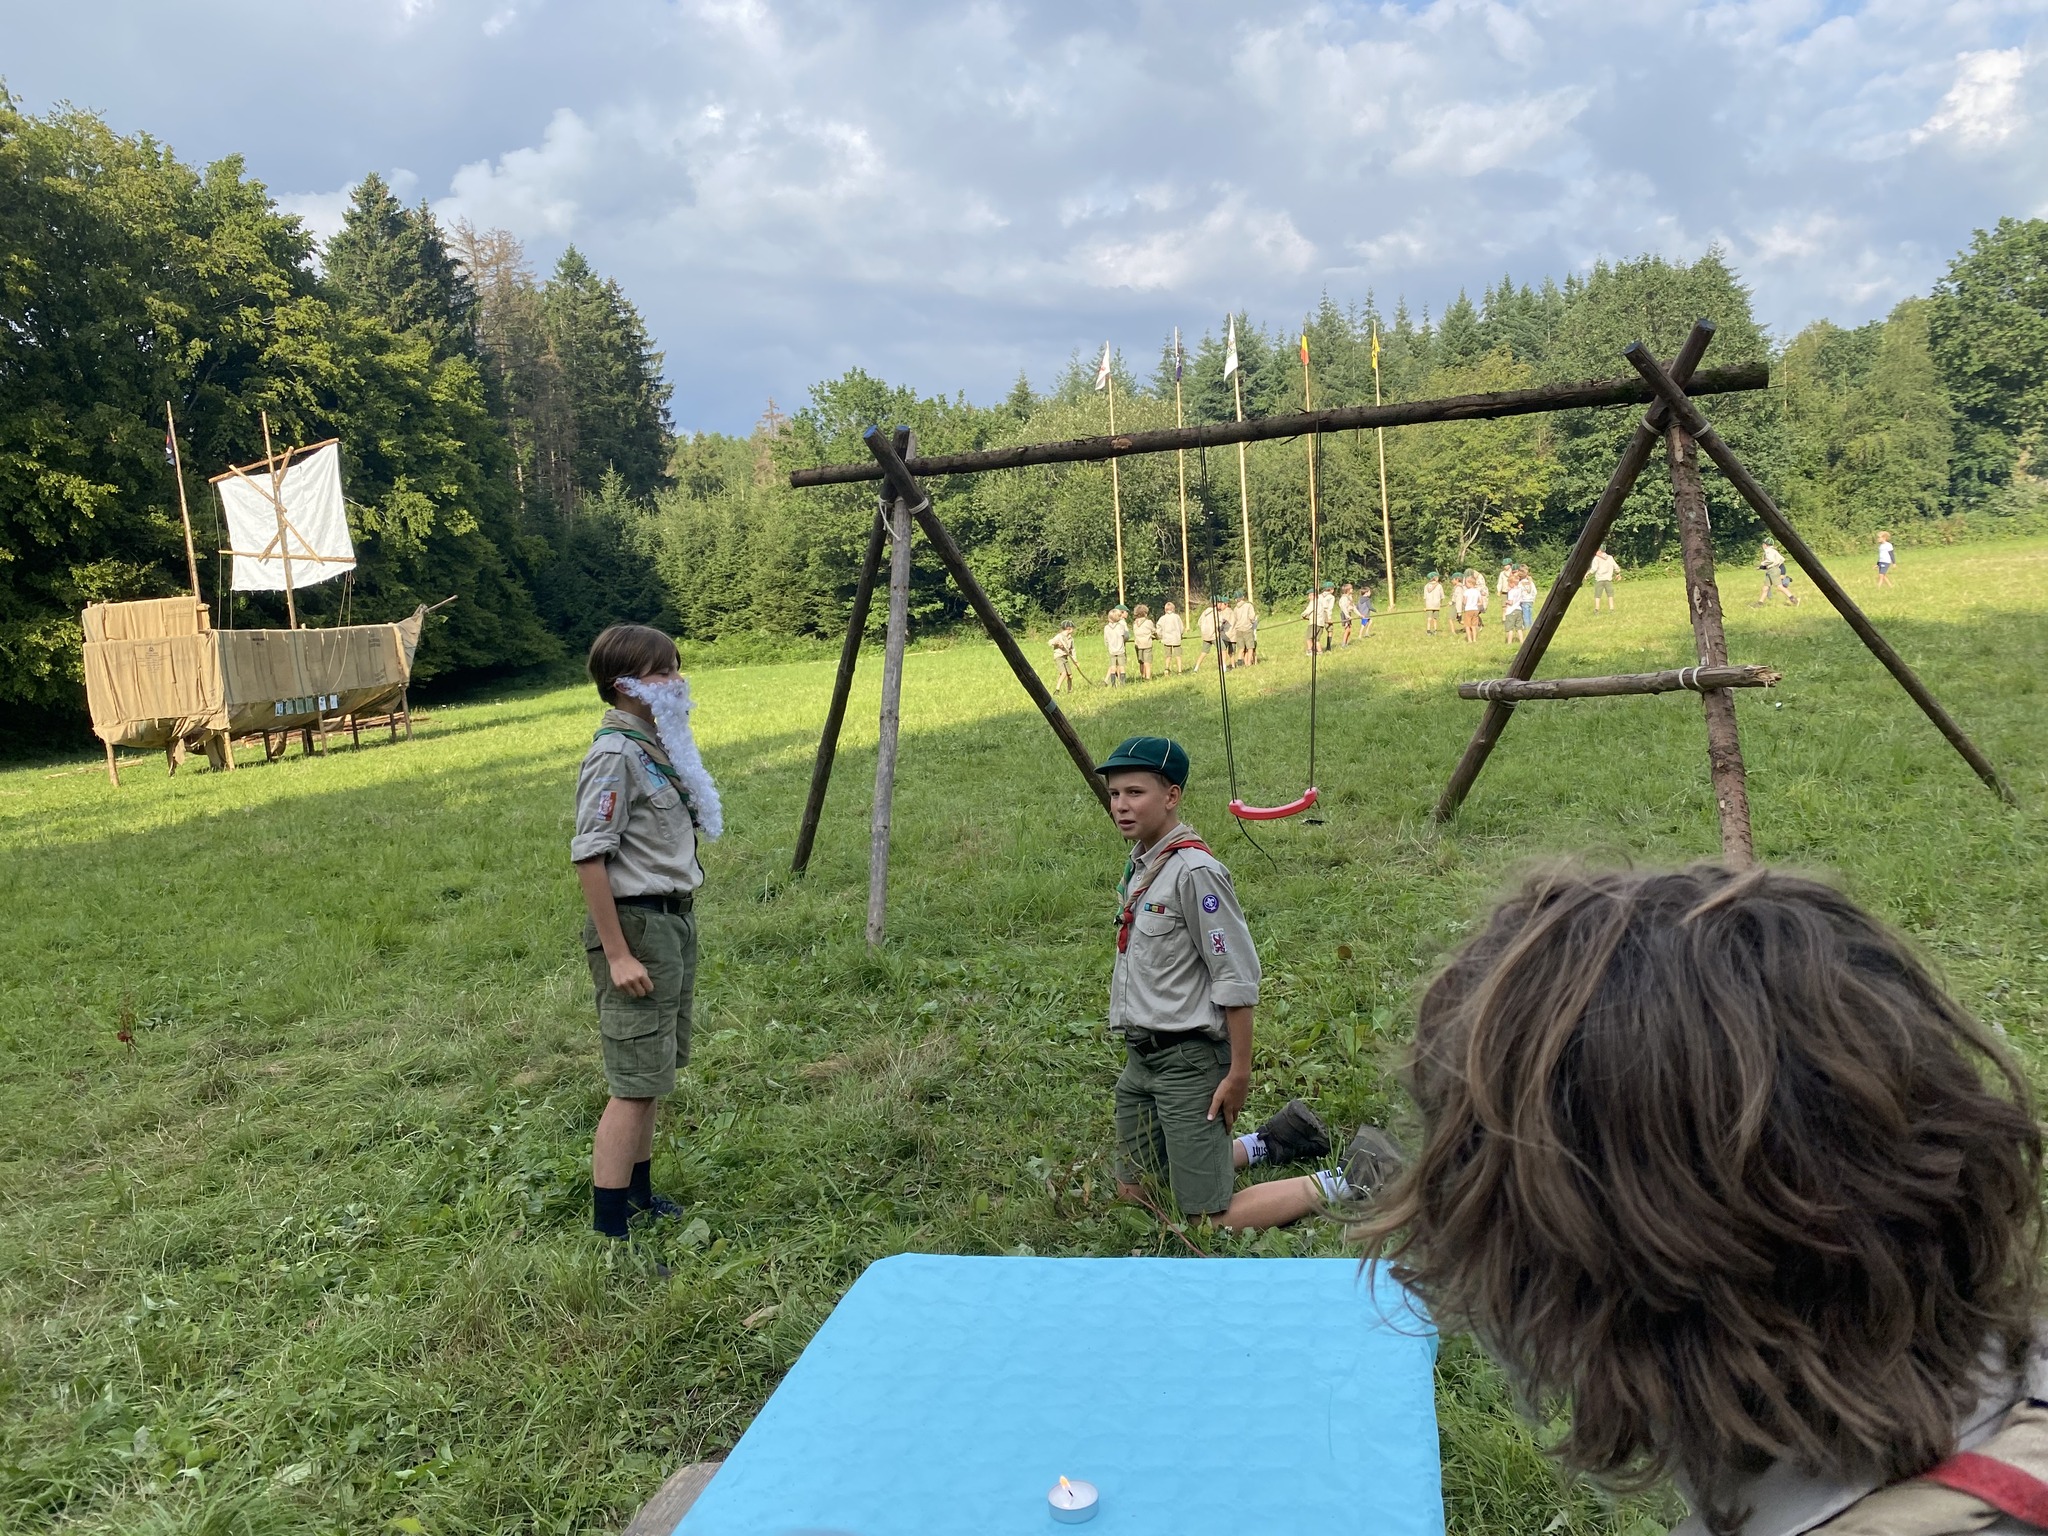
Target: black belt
pixel 672 903
pixel 1147 1042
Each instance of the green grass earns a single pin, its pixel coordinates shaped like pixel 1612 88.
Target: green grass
pixel 311 1256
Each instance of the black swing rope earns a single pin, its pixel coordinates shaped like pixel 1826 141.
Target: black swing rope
pixel 1222 686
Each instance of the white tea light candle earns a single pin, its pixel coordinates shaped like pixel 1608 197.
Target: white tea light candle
pixel 1071 1502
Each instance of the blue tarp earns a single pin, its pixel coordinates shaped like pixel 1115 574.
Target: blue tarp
pixel 944 1396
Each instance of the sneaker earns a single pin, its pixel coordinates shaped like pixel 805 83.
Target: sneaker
pixel 1295 1134
pixel 661 1208
pixel 1371 1161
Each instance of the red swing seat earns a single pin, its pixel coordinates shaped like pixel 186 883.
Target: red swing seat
pixel 1245 812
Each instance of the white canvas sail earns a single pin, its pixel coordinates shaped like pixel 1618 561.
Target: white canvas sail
pixel 312 532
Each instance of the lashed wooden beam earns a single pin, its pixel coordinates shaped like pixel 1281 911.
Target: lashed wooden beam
pixel 1518 690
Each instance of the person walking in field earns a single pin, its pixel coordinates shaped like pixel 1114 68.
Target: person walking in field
pixel 1212 624
pixel 1184 980
pixel 1776 578
pixel 1244 631
pixel 1063 658
pixel 1365 612
pixel 1884 559
pixel 1432 602
pixel 643 798
pixel 1172 630
pixel 1347 610
pixel 1143 633
pixel 1523 594
pixel 1471 603
pixel 1115 634
pixel 1317 616
pixel 1510 617
pixel 1603 571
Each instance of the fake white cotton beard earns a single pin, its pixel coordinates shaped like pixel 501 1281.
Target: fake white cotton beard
pixel 671 705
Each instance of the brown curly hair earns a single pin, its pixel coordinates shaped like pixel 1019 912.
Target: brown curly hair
pixel 1712 1164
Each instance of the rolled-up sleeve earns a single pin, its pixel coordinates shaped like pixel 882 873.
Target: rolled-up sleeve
pixel 1220 935
pixel 603 790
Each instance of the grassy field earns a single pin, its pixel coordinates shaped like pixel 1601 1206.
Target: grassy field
pixel 311 1254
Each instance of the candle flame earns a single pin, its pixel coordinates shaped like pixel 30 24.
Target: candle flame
pixel 1065 1486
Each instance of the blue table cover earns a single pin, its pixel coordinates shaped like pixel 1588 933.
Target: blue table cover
pixel 944 1396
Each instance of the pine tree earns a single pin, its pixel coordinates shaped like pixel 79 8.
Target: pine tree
pixel 391 262
pixel 611 374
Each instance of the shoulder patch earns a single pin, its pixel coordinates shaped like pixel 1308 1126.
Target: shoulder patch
pixel 1217 945
pixel 1211 902
pixel 607 802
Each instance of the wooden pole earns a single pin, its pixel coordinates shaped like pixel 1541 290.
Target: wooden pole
pixel 1187 582
pixel 1704 680
pixel 842 688
pixel 1710 645
pixel 1386 519
pixel 1340 418
pixel 113 772
pixel 184 510
pixel 1537 641
pixel 1116 497
pixel 284 548
pixel 1244 492
pixel 948 550
pixel 1315 568
pixel 1688 416
pixel 892 715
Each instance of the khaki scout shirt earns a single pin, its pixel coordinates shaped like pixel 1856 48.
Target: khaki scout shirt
pixel 1190 955
pixel 1244 623
pixel 632 817
pixel 1170 629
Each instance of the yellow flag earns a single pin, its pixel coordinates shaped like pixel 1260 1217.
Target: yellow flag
pixel 1375 349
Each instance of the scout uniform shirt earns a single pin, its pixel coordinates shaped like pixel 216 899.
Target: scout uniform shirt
pixel 1113 634
pixel 1604 566
pixel 1244 623
pixel 1063 649
pixel 631 812
pixel 1143 632
pixel 1433 595
pixel 1170 629
pixel 1185 954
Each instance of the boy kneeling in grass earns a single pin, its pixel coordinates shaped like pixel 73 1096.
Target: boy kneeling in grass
pixel 1181 994
pixel 1724 1178
pixel 641 800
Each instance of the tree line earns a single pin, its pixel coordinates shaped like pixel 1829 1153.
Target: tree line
pixel 507 437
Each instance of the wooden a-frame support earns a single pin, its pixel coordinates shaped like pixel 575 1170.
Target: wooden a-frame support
pixel 1676 421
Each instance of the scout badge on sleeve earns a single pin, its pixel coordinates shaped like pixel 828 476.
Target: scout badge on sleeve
pixel 607 802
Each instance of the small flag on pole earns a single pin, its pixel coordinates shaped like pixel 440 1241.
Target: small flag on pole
pixel 170 448
pixel 1230 351
pixel 1375 347
pixel 1177 355
pixel 1304 349
pixel 1102 369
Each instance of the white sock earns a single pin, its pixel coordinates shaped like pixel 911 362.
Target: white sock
pixel 1332 1184
pixel 1254 1147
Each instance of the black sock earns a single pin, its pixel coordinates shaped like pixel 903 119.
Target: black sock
pixel 609 1209
pixel 640 1192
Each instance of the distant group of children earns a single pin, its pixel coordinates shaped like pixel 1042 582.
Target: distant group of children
pixel 1330 607
pixel 1228 629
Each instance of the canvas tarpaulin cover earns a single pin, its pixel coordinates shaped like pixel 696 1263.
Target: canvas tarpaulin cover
pixel 315 524
pixel 161 675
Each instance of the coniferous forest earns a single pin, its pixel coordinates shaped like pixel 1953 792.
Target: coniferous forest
pixel 507 437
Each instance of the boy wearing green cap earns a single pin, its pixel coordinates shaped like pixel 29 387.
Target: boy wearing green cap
pixel 1063 658
pixel 1181 992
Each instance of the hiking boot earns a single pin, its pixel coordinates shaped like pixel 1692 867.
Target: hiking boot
pixel 1295 1134
pixel 1371 1161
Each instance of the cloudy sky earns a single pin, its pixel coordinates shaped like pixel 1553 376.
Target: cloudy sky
pixel 947 194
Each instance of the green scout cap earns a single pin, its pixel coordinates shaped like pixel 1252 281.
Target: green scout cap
pixel 1155 754
pixel 1432 575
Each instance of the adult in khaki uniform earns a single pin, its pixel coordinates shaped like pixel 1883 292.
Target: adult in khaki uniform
pixel 635 851
pixel 1181 992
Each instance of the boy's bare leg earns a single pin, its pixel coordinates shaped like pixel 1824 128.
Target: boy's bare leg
pixel 625 1136
pixel 1277 1203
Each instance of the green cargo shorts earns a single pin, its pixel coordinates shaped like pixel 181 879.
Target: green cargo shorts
pixel 1163 1129
pixel 646 1038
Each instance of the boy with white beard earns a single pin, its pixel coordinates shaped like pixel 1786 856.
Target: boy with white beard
pixel 642 799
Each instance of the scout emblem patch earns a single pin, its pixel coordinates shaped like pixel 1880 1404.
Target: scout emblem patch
pixel 1211 902
pixel 607 802
pixel 1216 944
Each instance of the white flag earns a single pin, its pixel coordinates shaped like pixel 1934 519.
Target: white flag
pixel 1102 369
pixel 1230 351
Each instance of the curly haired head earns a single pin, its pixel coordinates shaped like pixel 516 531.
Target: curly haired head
pixel 1712 1164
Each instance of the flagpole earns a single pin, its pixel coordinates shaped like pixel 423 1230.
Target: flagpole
pixel 184 511
pixel 1386 523
pixel 1315 573
pixel 1244 493
pixel 1187 586
pixel 1116 498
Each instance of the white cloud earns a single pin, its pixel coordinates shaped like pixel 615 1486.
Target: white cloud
pixel 945 195
pixel 1983 106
